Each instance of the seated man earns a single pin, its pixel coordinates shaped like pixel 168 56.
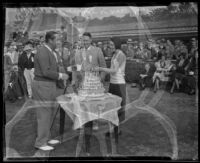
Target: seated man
pixel 191 71
pixel 146 77
pixel 179 72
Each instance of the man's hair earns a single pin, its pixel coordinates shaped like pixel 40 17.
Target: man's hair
pixel 50 36
pixel 87 34
pixel 62 27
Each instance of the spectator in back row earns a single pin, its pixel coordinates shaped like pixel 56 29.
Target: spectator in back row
pixel 163 67
pixel 179 72
pixel 7 68
pixel 130 50
pixel 100 45
pixel 146 77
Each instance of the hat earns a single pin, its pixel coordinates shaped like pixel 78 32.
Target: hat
pixel 193 39
pixel 150 40
pixel 130 41
pixel 62 27
pixel 27 47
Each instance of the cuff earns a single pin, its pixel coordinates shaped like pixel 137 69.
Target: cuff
pixel 60 76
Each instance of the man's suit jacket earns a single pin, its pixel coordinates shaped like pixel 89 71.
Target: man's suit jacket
pixel 45 64
pixel 97 57
pixel 97 60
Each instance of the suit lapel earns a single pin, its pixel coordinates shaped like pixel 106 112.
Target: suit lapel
pixel 51 55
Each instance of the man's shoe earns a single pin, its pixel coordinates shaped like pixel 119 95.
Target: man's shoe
pixel 53 142
pixel 45 148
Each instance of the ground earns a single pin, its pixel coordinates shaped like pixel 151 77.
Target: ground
pixel 143 135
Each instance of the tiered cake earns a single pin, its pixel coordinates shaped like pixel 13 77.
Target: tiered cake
pixel 91 85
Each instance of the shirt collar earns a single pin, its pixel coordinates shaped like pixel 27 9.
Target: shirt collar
pixel 88 47
pixel 48 47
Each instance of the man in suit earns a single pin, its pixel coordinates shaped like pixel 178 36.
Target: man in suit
pixel 44 89
pixel 87 56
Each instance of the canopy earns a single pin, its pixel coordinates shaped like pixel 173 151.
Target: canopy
pixel 51 21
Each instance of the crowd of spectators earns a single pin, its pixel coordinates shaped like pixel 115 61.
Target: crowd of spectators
pixel 152 49
pixel 162 52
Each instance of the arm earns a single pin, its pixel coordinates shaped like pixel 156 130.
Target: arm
pixel 120 59
pixel 102 62
pixel 43 61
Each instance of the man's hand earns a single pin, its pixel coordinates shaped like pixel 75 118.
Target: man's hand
pixel 65 76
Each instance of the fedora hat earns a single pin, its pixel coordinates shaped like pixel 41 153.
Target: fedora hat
pixel 129 41
pixel 193 39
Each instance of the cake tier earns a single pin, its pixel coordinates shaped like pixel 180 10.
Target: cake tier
pixel 93 94
pixel 92 86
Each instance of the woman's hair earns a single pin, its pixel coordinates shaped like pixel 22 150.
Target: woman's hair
pixel 117 43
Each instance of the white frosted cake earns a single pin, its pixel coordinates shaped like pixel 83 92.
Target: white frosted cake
pixel 91 85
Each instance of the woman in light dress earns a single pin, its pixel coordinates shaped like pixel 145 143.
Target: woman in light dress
pixel 117 80
pixel 163 67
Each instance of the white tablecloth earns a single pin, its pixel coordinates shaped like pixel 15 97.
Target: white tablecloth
pixel 82 111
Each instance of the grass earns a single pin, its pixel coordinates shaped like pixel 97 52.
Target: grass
pixel 143 135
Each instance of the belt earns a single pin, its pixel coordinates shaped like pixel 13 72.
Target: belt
pixel 28 68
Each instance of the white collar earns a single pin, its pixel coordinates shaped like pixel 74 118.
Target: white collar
pixel 55 55
pixel 48 47
pixel 88 47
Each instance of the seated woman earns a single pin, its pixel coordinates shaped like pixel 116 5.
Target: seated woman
pixel 163 67
pixel 117 80
pixel 145 79
pixel 179 72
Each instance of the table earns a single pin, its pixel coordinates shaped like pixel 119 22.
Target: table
pixel 82 110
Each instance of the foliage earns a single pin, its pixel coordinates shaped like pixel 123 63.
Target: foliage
pixel 183 11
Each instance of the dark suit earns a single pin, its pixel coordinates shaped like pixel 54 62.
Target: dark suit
pixel 44 90
pixel 25 62
pixel 147 80
pixel 190 80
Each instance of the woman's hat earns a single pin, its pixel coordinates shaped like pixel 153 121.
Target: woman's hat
pixel 130 41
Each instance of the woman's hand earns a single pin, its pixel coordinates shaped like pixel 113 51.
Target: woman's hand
pixel 97 69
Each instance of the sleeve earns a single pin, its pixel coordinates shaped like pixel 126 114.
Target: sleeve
pixel 102 62
pixel 77 57
pixel 20 61
pixel 43 60
pixel 9 61
pixel 121 58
